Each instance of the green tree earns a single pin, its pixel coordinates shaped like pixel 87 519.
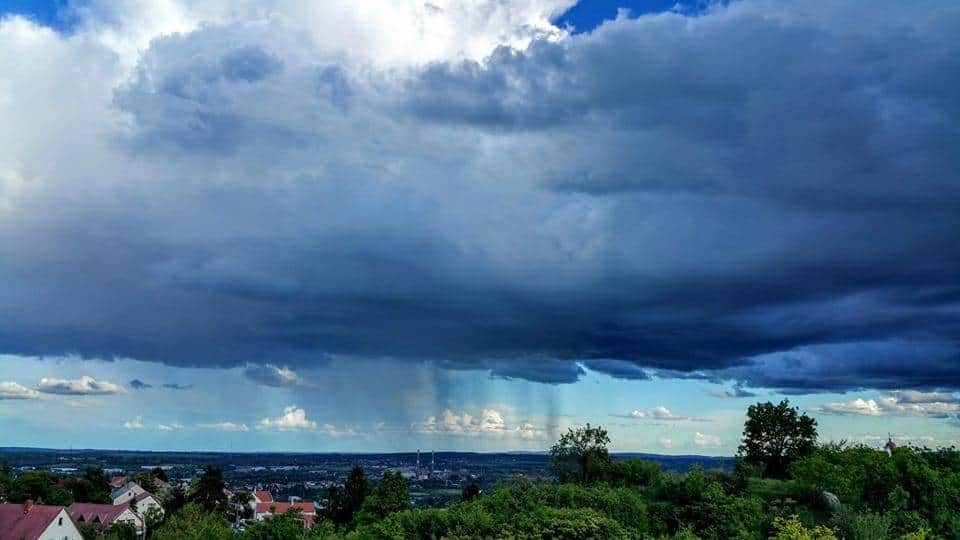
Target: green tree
pixel 175 500
pixel 344 503
pixel 152 518
pixel 159 474
pixel 774 436
pixel 793 529
pixel 581 454
pixel 241 500
pixel 208 491
pixel 192 522
pixel 147 481
pixel 88 531
pixel 470 492
pixel 6 481
pixel 632 472
pixel 391 495
pixel 41 487
pixel 285 526
pixel 121 531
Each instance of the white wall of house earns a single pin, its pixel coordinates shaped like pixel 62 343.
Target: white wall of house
pixel 146 503
pixel 61 528
pixel 129 517
pixel 129 493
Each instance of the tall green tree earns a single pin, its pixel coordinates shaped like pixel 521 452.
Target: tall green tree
pixel 581 454
pixel 174 500
pixel 159 474
pixel 209 490
pixel 344 503
pixel 391 495
pixel 774 436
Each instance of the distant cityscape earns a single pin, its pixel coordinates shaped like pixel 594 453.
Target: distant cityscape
pixel 435 478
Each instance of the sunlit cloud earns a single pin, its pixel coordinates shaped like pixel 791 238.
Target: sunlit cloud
pixel 292 419
pixel 12 390
pixel 85 385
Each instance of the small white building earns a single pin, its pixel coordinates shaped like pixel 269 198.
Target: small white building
pixel 124 494
pixel 30 521
pixel 146 501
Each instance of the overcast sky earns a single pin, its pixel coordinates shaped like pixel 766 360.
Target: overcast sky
pixel 473 223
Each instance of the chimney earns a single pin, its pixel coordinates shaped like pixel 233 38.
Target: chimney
pixel 27 506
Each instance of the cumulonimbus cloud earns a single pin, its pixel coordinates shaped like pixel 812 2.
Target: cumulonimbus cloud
pixel 521 200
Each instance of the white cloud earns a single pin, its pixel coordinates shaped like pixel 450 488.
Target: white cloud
pixel 12 390
pixel 701 439
pixel 665 442
pixel 660 413
pixel 83 386
pixel 899 403
pixel 225 426
pixel 489 423
pixel 136 423
pixel 272 375
pixel 292 419
pixel 169 427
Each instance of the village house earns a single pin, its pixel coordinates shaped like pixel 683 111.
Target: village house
pixel 125 493
pixel 266 509
pixel 104 515
pixel 30 521
pixel 146 501
pixel 123 496
pixel 259 496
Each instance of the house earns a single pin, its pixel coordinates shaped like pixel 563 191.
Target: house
pixel 117 481
pixel 30 521
pixel 105 515
pixel 146 501
pixel 266 509
pixel 124 494
pixel 259 496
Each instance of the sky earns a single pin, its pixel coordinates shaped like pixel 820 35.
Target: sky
pixel 472 224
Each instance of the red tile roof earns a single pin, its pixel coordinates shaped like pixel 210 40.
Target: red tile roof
pixel 17 524
pixel 263 496
pixel 117 481
pixel 281 507
pixel 102 515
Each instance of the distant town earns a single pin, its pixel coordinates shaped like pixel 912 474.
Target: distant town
pixel 275 482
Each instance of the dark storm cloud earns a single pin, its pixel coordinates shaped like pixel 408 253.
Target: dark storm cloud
pixel 766 193
pixel 137 384
pixel 738 391
pixel 617 368
pixel 176 386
